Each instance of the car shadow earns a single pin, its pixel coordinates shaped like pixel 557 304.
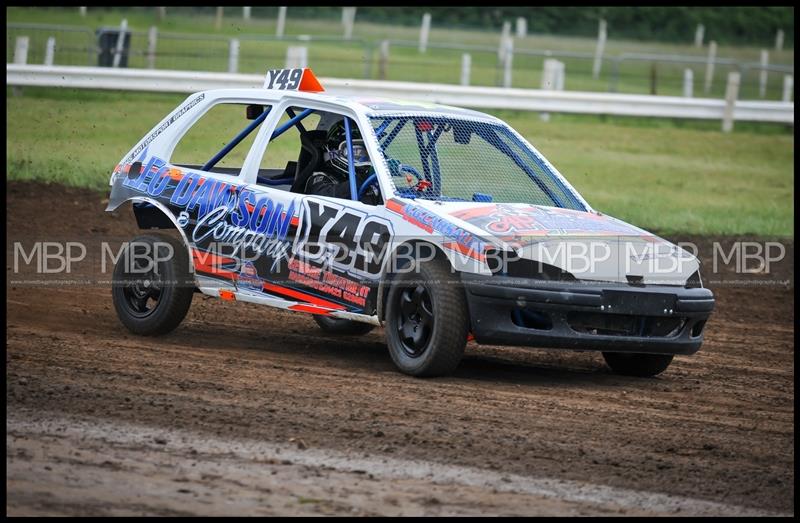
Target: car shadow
pixel 510 365
pixel 536 368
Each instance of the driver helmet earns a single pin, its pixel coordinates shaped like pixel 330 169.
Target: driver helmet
pixel 337 153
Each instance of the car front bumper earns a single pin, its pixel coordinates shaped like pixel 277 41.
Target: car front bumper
pixel 587 315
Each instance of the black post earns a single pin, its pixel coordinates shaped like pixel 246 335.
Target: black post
pixel 653 78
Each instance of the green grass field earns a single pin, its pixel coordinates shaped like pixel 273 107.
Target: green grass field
pixel 663 175
pixel 208 50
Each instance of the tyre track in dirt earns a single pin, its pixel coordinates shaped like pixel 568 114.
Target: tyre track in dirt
pixel 716 426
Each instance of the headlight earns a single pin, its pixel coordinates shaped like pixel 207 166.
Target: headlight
pixel 508 263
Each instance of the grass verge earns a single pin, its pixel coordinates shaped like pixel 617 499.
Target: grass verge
pixel 666 176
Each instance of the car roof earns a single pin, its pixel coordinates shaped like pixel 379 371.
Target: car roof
pixel 393 105
pixel 370 106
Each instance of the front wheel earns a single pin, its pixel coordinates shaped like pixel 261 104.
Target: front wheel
pixel 641 365
pixel 153 285
pixel 427 321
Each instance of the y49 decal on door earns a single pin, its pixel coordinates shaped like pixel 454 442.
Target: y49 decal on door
pixel 343 238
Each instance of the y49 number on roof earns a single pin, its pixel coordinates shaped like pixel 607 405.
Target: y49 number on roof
pixel 283 79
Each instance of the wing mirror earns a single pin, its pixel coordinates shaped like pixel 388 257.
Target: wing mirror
pixel 254 111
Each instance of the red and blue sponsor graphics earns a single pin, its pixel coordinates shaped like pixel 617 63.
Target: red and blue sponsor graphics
pixel 199 195
pixel 248 277
pixel 515 220
pixel 463 240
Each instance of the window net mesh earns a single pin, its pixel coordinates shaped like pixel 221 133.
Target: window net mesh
pixel 456 159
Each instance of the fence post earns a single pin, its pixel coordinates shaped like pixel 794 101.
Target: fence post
pixel 348 20
pixel 654 78
pixel 466 65
pixel 152 40
pixel 552 80
pixel 762 76
pixel 20 57
pixel 698 35
pixel 522 27
pixel 779 40
pixel 424 31
pixel 296 57
pixel 547 74
pixel 601 44
pixel 82 10
pixel 246 13
pixel 712 55
pixel 281 22
pixel 560 75
pixel 788 85
pixel 162 13
pixel 123 28
pixel 508 58
pixel 50 51
pixel 233 55
pixel 505 35
pixel 731 94
pixel 218 19
pixel 369 51
pixel 383 60
pixel 688 82
pixel 21 50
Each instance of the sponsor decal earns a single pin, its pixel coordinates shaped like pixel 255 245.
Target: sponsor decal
pixel 214 265
pixel 161 128
pixel 515 221
pixel 268 239
pixel 248 277
pixel 218 211
pixel 328 283
pixel 349 240
pixel 463 241
pixel 335 246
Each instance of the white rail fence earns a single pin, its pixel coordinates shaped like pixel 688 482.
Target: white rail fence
pixel 466 96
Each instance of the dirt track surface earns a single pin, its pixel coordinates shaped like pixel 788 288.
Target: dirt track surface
pixel 249 410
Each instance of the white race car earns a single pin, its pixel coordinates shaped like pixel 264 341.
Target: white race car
pixel 441 224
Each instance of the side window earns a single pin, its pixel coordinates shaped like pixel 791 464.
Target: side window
pixel 285 147
pixel 309 149
pixel 221 138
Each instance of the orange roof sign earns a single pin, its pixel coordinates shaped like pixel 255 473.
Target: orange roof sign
pixel 292 80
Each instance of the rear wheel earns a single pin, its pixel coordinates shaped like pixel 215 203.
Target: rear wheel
pixel 152 290
pixel 342 326
pixel 642 365
pixel 427 321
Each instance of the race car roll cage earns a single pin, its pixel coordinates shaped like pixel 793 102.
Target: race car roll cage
pixel 432 127
pixel 428 130
pixel 294 121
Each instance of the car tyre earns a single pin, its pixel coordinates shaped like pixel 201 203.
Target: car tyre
pixel 641 365
pixel 427 321
pixel 152 302
pixel 342 326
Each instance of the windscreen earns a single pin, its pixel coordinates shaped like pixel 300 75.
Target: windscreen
pixel 453 159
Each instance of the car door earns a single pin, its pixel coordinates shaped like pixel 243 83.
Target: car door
pixel 324 252
pixel 199 181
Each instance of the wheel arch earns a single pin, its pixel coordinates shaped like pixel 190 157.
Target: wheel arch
pixel 387 274
pixel 153 214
